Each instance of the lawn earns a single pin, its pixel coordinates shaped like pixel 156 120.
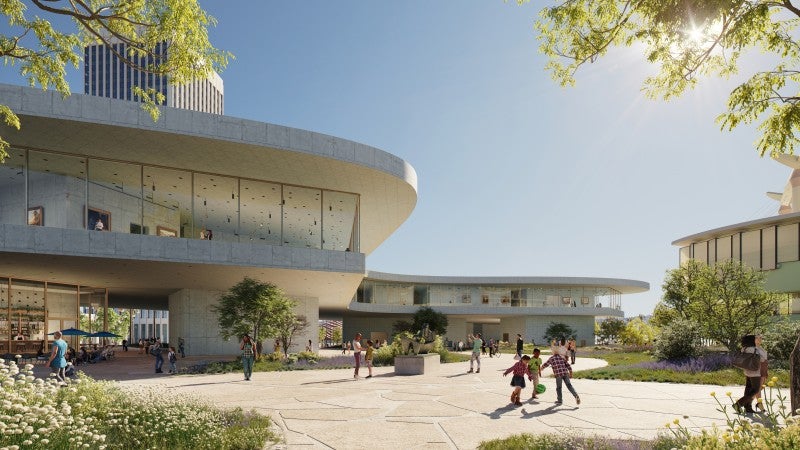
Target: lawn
pixel 624 364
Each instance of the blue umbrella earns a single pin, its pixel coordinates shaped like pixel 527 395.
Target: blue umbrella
pixel 72 332
pixel 103 334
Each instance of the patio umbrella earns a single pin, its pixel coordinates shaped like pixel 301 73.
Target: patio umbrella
pixel 103 334
pixel 71 332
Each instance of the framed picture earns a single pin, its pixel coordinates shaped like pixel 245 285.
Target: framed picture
pixel 164 231
pixel 36 216
pixel 98 220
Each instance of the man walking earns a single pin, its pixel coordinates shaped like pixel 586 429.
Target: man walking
pixel 477 343
pixel 562 372
pixel 57 361
pixel 157 352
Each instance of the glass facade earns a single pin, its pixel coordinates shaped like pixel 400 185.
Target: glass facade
pixel 30 310
pixel 762 248
pixel 406 294
pixel 67 191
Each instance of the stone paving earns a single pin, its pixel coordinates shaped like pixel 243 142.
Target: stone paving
pixel 323 409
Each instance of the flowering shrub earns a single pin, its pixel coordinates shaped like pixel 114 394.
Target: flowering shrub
pixel 706 363
pixel 773 429
pixel 84 413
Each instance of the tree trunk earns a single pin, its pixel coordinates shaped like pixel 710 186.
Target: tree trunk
pixel 794 377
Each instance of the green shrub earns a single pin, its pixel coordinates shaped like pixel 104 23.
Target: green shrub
pixel 680 339
pixel 779 341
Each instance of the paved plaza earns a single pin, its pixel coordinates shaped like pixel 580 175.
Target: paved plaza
pixel 323 409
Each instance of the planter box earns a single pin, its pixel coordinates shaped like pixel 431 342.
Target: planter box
pixel 427 364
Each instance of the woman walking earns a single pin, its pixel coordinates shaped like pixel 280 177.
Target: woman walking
pixel 751 343
pixel 357 354
pixel 248 353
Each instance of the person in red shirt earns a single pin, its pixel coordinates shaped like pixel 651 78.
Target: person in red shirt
pixel 520 369
pixel 562 372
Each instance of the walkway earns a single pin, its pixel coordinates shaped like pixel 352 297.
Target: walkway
pixel 322 409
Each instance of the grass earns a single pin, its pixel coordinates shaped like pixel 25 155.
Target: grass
pixel 562 442
pixel 622 366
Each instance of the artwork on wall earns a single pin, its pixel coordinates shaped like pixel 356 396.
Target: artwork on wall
pixel 98 220
pixel 164 231
pixel 36 216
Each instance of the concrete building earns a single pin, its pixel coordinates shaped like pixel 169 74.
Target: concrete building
pixel 771 244
pixel 105 75
pixel 496 307
pixel 189 205
pixel 102 207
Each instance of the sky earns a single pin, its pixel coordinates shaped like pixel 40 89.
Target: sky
pixel 517 175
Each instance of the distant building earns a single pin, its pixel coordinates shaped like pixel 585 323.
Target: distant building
pixel 106 75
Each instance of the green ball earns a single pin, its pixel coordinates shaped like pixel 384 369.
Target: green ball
pixel 540 388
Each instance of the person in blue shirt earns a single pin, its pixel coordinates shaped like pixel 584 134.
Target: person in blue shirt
pixel 57 361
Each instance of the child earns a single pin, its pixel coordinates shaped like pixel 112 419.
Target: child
pixel 562 372
pixel 172 357
pixel 535 366
pixel 520 369
pixel 368 358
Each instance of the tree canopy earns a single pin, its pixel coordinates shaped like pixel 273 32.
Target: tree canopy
pixel 118 323
pixel 690 40
pixel 258 309
pixel 41 52
pixel 436 321
pixel 727 299
pixel 558 331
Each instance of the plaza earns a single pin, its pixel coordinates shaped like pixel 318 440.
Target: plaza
pixel 447 410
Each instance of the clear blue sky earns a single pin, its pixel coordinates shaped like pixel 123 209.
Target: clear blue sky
pixel 517 176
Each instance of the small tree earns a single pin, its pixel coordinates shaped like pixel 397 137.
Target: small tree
pixel 558 331
pixel 401 326
pixel 610 329
pixel 726 299
pixel 436 321
pixel 637 332
pixel 336 335
pixel 117 323
pixel 321 335
pixel 779 341
pixel 287 327
pixel 253 308
pixel 663 315
pixel 680 339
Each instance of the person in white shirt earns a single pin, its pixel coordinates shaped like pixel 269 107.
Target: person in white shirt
pixel 357 353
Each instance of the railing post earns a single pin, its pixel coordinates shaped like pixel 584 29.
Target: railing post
pixel 794 377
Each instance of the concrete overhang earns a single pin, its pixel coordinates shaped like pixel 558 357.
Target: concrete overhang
pixel 621 285
pixel 120 130
pixel 736 228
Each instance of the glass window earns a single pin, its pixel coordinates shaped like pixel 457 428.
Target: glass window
pixel 751 248
pixel 768 248
pixel 684 254
pixel 723 248
pixel 700 252
pixel 339 219
pixel 261 212
pixel 737 243
pixel 712 251
pixel 27 311
pixel 62 301
pixel 57 190
pixel 788 242
pixel 167 203
pixel 216 207
pixel 12 188
pixel 115 196
pixel 301 217
pixel 5 326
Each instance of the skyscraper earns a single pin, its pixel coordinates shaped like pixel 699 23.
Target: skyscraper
pixel 106 75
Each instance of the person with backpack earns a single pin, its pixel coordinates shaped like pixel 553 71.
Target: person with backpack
pixel 751 343
pixel 172 357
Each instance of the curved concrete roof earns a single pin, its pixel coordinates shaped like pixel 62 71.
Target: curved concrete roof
pixel 737 227
pixel 622 285
pixel 121 130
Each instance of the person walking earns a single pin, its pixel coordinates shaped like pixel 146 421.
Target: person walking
pixel 535 366
pixel 520 343
pixel 181 347
pixel 172 357
pixel 125 345
pixel 357 354
pixel 248 354
pixel 571 348
pixel 368 357
pixel 58 360
pixel 157 351
pixel 751 343
pixel 520 369
pixel 477 343
pixel 562 372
